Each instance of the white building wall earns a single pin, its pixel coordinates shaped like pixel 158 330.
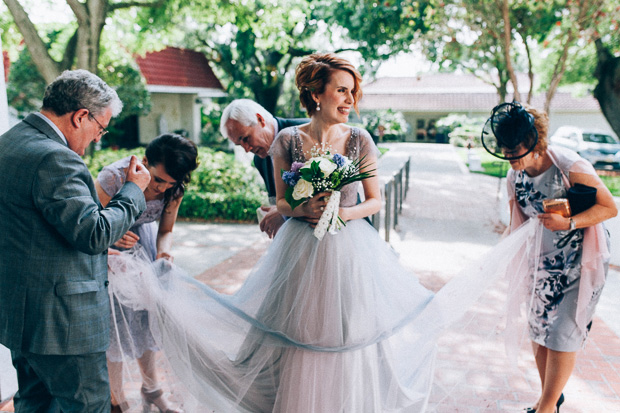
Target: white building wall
pixel 8 377
pixel 587 120
pixel 170 112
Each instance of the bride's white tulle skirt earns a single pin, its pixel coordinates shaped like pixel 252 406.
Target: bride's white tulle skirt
pixel 319 326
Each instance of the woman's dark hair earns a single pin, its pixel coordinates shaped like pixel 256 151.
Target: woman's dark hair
pixel 178 155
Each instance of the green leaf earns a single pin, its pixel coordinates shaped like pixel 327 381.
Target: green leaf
pixel 288 196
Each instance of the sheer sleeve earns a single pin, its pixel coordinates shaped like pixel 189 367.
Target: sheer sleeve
pixel 582 166
pixel 570 162
pixel 111 178
pixel 282 145
pixel 367 146
pixel 510 184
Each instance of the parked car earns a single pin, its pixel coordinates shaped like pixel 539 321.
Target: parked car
pixel 598 147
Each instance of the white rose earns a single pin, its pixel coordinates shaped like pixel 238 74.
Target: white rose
pixel 326 166
pixel 303 189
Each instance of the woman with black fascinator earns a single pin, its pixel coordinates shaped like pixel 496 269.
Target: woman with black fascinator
pixel 567 281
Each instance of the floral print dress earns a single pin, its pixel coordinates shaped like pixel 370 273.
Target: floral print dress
pixel 552 316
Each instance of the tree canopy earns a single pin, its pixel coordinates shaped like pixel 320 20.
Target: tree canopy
pixel 254 44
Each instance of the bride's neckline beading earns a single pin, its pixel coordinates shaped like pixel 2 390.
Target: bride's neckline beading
pixel 351 148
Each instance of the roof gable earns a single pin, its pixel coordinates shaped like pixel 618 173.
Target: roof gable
pixel 447 92
pixel 177 67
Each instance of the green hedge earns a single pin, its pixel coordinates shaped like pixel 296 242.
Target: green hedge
pixel 221 188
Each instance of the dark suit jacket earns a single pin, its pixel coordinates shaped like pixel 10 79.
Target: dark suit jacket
pixel 265 165
pixel 54 236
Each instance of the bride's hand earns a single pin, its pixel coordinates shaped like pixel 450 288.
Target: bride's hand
pixel 314 207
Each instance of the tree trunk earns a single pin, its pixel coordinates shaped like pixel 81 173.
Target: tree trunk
pixel 607 91
pixel 267 97
pixel 91 19
pixel 585 8
pixel 507 44
pixel 47 66
pixel 558 72
pixel 530 71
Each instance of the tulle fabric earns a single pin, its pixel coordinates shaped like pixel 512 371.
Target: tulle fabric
pixel 319 326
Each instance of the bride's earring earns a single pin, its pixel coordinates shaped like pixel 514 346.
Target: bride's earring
pixel 536 156
pixel 318 106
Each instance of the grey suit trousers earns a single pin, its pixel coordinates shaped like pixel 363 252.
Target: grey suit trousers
pixel 54 383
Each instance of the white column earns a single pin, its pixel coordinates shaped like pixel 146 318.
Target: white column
pixel 8 378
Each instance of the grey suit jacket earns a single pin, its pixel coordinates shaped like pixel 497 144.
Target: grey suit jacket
pixel 54 236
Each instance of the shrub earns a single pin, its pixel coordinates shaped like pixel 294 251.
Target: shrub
pixel 387 124
pixel 104 157
pixel 462 129
pixel 221 189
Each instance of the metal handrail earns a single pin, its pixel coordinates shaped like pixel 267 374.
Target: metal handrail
pixel 393 192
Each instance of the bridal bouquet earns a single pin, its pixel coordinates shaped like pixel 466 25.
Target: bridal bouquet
pixel 321 173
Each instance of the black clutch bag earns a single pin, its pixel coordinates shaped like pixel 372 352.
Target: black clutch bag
pixel 581 197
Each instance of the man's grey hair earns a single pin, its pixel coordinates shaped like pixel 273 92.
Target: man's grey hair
pixel 243 111
pixel 80 89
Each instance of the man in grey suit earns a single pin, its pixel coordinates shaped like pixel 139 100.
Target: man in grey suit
pixel 249 125
pixel 54 309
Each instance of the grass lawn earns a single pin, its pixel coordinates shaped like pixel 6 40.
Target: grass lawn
pixel 496 167
pixel 490 164
pixel 382 150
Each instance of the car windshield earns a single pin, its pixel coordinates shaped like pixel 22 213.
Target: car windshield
pixel 598 138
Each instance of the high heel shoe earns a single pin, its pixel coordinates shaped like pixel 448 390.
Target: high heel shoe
pixel 156 398
pixel 557 406
pixel 119 408
pixel 559 403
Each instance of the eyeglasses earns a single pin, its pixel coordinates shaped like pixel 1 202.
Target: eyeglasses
pixel 103 130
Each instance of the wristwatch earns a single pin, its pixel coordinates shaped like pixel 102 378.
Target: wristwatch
pixel 572 224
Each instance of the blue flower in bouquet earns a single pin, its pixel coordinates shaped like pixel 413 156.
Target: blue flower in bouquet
pixel 291 177
pixel 339 160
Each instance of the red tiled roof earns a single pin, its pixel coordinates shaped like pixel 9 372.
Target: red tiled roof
pixel 7 64
pixel 178 67
pixel 448 92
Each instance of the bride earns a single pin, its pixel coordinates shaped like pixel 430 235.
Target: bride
pixel 331 325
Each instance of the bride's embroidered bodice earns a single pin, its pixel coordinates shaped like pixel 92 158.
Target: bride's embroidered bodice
pixel 288 146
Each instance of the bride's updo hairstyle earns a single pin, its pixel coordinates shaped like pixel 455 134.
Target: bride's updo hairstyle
pixel 314 72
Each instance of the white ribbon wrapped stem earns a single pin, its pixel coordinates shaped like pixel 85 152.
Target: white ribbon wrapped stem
pixel 329 218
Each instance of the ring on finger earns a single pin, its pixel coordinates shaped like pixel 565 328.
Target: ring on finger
pixel 322 208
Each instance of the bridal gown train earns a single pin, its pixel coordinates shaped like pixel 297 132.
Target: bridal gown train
pixel 336 325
